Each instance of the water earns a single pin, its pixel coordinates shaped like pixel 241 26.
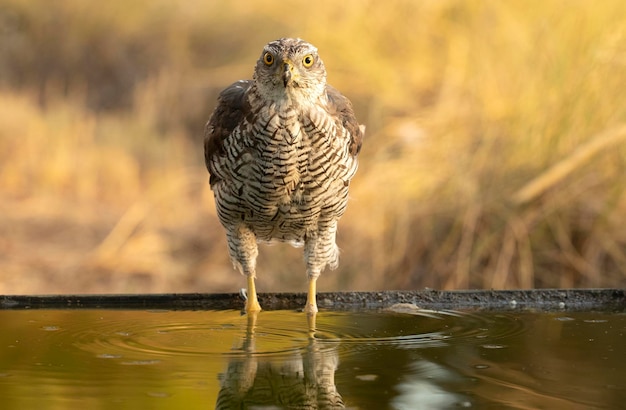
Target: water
pixel 402 359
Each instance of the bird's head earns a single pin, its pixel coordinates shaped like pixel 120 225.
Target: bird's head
pixel 288 68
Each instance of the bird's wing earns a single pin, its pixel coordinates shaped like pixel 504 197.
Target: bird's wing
pixel 232 106
pixel 342 109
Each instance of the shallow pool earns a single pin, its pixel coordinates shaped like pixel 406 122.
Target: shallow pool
pixel 399 358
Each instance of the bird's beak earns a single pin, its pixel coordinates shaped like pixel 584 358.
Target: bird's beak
pixel 287 72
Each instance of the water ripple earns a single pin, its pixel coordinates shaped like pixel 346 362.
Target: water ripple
pixel 279 332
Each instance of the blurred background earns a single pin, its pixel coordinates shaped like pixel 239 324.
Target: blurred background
pixel 495 151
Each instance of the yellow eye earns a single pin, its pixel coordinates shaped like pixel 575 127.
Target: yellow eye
pixel 308 60
pixel 268 59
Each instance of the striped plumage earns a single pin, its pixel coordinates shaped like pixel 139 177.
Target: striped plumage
pixel 281 150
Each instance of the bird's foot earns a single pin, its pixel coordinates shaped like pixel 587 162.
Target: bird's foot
pixel 310 308
pixel 252 306
pixel 252 302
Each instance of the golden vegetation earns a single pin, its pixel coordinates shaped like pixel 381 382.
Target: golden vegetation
pixel 495 153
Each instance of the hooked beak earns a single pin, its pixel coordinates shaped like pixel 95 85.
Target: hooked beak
pixel 287 72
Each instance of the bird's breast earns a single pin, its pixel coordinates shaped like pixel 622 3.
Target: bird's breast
pixel 284 171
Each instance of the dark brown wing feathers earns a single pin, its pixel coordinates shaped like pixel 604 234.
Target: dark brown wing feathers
pixel 344 112
pixel 232 106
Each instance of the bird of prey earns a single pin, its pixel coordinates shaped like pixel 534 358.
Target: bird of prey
pixel 281 150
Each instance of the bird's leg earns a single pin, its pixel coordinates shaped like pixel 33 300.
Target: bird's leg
pixel 313 268
pixel 252 303
pixel 311 301
pixel 320 251
pixel 243 251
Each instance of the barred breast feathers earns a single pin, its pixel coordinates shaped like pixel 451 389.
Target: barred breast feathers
pixel 233 106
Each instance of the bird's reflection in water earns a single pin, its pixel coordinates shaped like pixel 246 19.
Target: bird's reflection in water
pixel 305 380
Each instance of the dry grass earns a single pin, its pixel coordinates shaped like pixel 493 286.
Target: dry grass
pixel 494 157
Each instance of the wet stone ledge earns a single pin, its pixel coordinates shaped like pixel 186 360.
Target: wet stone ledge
pixel 539 299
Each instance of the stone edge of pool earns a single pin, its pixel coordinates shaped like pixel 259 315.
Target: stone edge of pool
pixel 539 299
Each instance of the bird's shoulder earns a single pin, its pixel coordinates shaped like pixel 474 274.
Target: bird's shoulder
pixel 341 107
pixel 232 107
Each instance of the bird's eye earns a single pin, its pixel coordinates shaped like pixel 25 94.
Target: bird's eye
pixel 307 61
pixel 268 59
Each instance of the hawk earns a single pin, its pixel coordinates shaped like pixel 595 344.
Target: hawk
pixel 281 150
